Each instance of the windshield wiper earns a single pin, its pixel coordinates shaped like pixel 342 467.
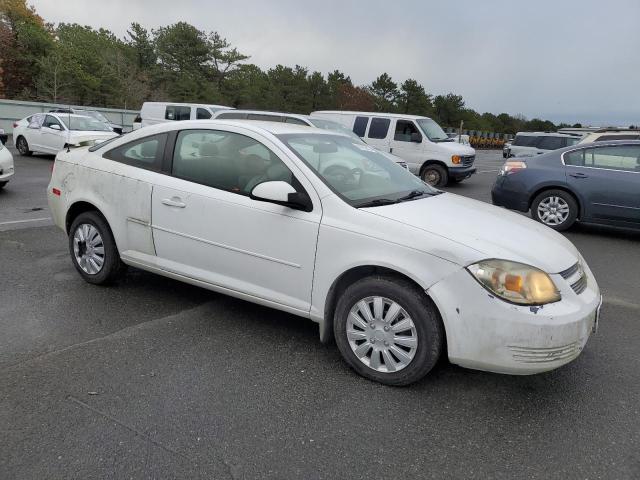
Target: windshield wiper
pixel 377 203
pixel 413 194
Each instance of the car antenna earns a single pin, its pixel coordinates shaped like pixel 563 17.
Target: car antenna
pixel 69 130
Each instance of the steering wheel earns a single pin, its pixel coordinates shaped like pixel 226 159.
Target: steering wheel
pixel 343 175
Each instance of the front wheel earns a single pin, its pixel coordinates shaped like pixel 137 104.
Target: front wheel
pixel 93 250
pixel 23 147
pixel 556 209
pixel 387 330
pixel 435 175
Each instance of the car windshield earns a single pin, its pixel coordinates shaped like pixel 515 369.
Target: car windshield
pixel 84 124
pixel 334 127
pixel 96 115
pixel 432 130
pixel 358 173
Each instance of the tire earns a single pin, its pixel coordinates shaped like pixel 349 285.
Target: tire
pixel 23 147
pixel 561 207
pixel 111 267
pixel 425 328
pixel 435 175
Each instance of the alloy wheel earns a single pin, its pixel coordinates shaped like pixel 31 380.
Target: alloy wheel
pixel 381 334
pixel 553 211
pixel 22 146
pixel 88 248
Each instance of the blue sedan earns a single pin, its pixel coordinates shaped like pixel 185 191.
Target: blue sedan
pixel 593 183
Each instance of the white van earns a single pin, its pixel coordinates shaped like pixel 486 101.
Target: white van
pixel 153 113
pixel 419 141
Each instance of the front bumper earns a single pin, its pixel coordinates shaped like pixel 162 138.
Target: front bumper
pixel 502 196
pixel 486 333
pixel 460 173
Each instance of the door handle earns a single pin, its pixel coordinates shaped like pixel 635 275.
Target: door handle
pixel 173 202
pixel 578 175
pixel 391 150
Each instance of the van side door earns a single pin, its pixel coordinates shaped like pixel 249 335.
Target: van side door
pixel 378 133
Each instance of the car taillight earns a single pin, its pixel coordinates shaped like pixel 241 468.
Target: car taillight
pixel 15 124
pixel 512 166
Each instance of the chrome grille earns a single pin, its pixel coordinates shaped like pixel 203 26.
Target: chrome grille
pixel 468 160
pixel 576 277
pixel 545 355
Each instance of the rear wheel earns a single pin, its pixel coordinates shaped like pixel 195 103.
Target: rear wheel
pixel 435 175
pixel 555 208
pixel 387 330
pixel 93 250
pixel 23 147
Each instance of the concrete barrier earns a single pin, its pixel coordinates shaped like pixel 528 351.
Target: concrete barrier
pixel 12 110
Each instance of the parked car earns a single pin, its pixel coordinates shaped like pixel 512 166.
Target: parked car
pixel 610 134
pixel 153 113
pixel 396 271
pixel 51 132
pixel 6 166
pixel 461 139
pixel 592 183
pixel 506 149
pixel 527 144
pixel 137 123
pixel 296 119
pixel 419 141
pixel 91 113
pixel 3 137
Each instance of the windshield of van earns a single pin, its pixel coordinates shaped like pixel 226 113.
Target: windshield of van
pixel 358 173
pixel 432 130
pixel 333 126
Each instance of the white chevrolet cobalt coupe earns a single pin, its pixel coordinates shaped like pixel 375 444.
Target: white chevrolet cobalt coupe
pixel 322 226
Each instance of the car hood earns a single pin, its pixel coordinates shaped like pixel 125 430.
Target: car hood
pixel 488 231
pixel 79 136
pixel 455 148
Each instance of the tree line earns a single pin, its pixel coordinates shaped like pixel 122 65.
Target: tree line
pixel 80 65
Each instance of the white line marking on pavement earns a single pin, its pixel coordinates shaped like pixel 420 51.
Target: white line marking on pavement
pixel 25 221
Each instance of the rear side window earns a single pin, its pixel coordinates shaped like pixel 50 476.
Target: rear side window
pixel 203 114
pixel 524 141
pixel 379 128
pixel 36 121
pixel 360 126
pixel 232 116
pixel 605 138
pixel 177 112
pixel 144 153
pixel 575 158
pixel 550 143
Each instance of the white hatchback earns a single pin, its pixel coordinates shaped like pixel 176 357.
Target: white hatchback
pixel 319 225
pixel 6 166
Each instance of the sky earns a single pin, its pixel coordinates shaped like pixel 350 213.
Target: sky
pixel 563 60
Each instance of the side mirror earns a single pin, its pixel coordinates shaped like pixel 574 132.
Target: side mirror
pixel 55 126
pixel 416 137
pixel 281 193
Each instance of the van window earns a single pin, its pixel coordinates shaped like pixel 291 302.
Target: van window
pixel 232 116
pixel 404 130
pixel 146 152
pixel 550 143
pixel 177 112
pixel 203 114
pixel 525 141
pixel 379 128
pixel 360 126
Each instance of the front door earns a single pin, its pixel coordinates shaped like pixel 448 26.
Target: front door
pixel 608 178
pixel 206 227
pixel 407 144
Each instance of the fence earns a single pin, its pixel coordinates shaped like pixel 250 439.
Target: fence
pixel 12 110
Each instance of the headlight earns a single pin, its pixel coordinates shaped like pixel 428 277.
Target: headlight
pixel 515 282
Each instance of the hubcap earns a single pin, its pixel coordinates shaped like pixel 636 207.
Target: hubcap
pixel 382 334
pixel 553 211
pixel 432 177
pixel 88 248
pixel 22 145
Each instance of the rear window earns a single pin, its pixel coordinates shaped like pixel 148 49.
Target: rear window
pixel 360 126
pixel 551 143
pixel 525 141
pixel 379 128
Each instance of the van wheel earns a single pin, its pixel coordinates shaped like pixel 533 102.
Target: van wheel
pixel 93 250
pixel 435 175
pixel 23 147
pixel 387 330
pixel 556 209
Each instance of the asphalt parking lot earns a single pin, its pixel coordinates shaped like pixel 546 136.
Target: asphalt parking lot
pixel 157 379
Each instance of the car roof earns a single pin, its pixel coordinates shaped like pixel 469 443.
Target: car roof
pixel 373 114
pixel 546 134
pixel 266 112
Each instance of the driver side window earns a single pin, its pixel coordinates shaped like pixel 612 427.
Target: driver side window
pixel 50 120
pixel 227 161
pixel 404 130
